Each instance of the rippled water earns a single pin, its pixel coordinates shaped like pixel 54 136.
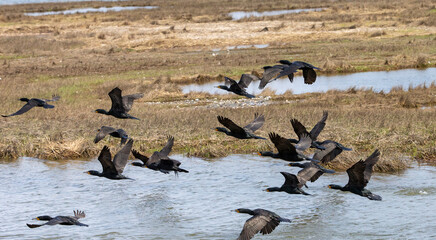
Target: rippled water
pixel 378 81
pixel 240 15
pixel 198 205
pixel 88 10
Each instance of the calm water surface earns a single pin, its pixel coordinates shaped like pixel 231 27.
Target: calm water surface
pixel 378 81
pixel 88 10
pixel 198 205
pixel 240 15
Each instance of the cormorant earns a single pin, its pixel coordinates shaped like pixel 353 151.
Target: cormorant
pixel 241 132
pixel 262 220
pixel 34 102
pixel 331 150
pixel 118 133
pixel 299 129
pixel 62 220
pixel 239 87
pixel 113 169
pixel 159 161
pixel 286 150
pixel 120 105
pixel 358 177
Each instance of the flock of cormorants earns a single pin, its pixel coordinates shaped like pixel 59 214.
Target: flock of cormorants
pixel 291 150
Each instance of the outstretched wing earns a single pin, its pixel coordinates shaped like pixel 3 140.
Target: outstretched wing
pixel 229 82
pixel 120 159
pixel 299 128
pixel 256 224
pixel 168 147
pixel 231 125
pixel 270 72
pixel 102 132
pixel 290 180
pixel 79 214
pixel 257 123
pixel 360 173
pixel 139 156
pixel 329 153
pixel 117 102
pixel 309 75
pixel 105 159
pixel 54 98
pixel 316 130
pixel 29 105
pixel 128 100
pixel 304 142
pixel 246 79
pixel 283 145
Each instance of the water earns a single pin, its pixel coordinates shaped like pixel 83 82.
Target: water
pixel 240 15
pixel 88 10
pixel 198 205
pixel 11 2
pixel 378 81
pixel 241 47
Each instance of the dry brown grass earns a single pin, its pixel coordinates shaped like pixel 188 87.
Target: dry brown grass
pixel 81 57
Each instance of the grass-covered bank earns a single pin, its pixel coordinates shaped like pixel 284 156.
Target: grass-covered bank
pixel 400 123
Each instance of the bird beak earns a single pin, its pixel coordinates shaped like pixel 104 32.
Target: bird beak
pixel 258 153
pixel 88 172
pixel 96 111
pixel 330 186
pixel 237 210
pixel 36 219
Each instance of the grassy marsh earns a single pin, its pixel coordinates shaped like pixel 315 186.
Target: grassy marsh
pixel 83 56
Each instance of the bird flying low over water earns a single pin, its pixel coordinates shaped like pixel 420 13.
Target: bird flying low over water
pixel 159 161
pixel 34 102
pixel 62 220
pixel 288 68
pixel 239 87
pixel 120 104
pixel 105 130
pixel 299 129
pixel 113 169
pixel 330 151
pixel 262 220
pixel 286 150
pixel 358 177
pixel 241 132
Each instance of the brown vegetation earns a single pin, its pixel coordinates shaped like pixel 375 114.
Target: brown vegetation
pixel 82 57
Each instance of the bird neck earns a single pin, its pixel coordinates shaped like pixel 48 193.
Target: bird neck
pixel 224 87
pixel 268 154
pixel 224 130
pixel 274 189
pixel 138 164
pixel 102 111
pixel 334 186
pixel 296 165
pixel 94 173
pixel 245 210
pixel 24 99
pixel 44 218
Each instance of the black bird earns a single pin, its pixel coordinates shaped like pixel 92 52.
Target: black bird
pixel 34 102
pixel 288 69
pixel 358 177
pixel 331 150
pixel 120 104
pixel 118 133
pixel 286 150
pixel 239 87
pixel 311 171
pixel 113 169
pixel 299 129
pixel 241 132
pixel 159 161
pixel 292 185
pixel 262 220
pixel 62 220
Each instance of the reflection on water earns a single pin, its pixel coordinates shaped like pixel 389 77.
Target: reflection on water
pixel 240 15
pixel 198 205
pixel 11 2
pixel 88 10
pixel 378 81
pixel 241 47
